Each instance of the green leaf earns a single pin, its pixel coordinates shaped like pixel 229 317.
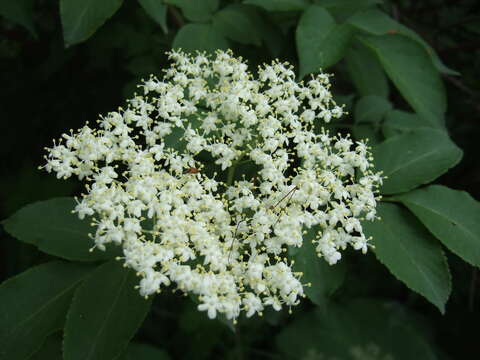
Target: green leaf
pixel 345 99
pixel 80 19
pixel 51 226
pixel 141 65
pixel 157 10
pixel 371 109
pixel 398 122
pixel 365 71
pixel 320 41
pixel 21 192
pixel 452 216
pixel 411 253
pixel 410 69
pixel 415 158
pixel 34 305
pixel 202 37
pixel 19 11
pixel 368 132
pixel 369 112
pixel 106 312
pixel 271 34
pixel 237 22
pixel 343 9
pixel 204 334
pixel 51 349
pixel 195 10
pixel 360 329
pixel 325 279
pixel 136 351
pixel 175 140
pixel 376 22
pixel 279 5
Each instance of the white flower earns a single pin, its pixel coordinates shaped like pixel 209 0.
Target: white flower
pixel 253 304
pixel 219 238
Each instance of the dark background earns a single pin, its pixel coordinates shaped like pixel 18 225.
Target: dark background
pixel 47 89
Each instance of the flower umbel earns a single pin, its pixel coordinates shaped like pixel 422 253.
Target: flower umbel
pixel 162 181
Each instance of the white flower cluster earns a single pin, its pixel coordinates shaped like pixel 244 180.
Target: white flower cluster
pixel 217 237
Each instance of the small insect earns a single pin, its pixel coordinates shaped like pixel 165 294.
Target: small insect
pixel 233 239
pixel 291 192
pixel 288 195
pixel 192 170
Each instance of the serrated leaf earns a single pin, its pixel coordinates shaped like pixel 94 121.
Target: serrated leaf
pixel 137 351
pixel 398 122
pixel 452 216
pixel 411 253
pixel 238 24
pixel 202 37
pixel 365 71
pixel 410 69
pixel 414 159
pixel 279 5
pixel 195 10
pixel 320 41
pixel 377 22
pixel 19 11
pixel 359 329
pixel 34 304
pixel 106 312
pixel 325 279
pixel 51 226
pixel 157 10
pixel 80 19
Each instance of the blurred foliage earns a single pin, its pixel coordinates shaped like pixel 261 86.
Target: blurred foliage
pixel 57 77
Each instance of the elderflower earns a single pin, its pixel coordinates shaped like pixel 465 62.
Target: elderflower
pixel 206 232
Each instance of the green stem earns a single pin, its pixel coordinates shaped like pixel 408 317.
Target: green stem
pixel 231 174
